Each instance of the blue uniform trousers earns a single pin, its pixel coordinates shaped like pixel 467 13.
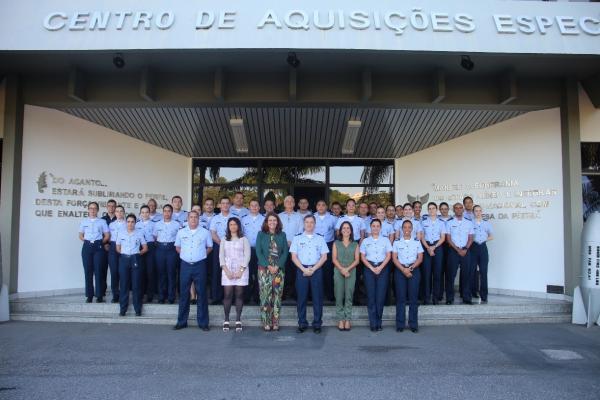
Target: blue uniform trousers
pixel 454 261
pixel 113 264
pixel 251 291
pixel 130 273
pixel 149 273
pixel 315 283
pixel 92 255
pixel 406 286
pixel 197 273
pixel 431 274
pixel 376 292
pixel 216 289
pixel 166 264
pixel 479 258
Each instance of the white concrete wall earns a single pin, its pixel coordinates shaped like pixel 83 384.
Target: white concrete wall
pixel 65 148
pixel 526 254
pixel 589 118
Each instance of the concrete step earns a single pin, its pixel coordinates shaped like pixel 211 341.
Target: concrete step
pixel 72 309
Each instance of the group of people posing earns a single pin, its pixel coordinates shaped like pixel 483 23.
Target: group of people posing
pixel 244 255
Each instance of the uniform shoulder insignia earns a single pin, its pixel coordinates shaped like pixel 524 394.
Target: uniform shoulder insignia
pixel 320 234
pixel 298 234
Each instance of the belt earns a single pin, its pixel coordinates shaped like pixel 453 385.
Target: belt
pixel 165 244
pixel 479 244
pixel 375 264
pixel 432 243
pixel 194 263
pixel 308 266
pixel 129 255
pixel 93 242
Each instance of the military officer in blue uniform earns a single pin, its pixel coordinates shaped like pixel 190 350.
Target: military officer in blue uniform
pixel 309 252
pixel 208 214
pixel 94 233
pixel 194 244
pixel 303 205
pixel 292 225
pixel 251 225
pixel 109 216
pixel 387 226
pixel 357 223
pixel 363 213
pixel 218 228
pixel 149 274
pixel 417 229
pixel 268 206
pixel 375 253
pixel 407 256
pixel 179 214
pixel 445 217
pixel 237 209
pixel 417 208
pixel 468 206
pixel 434 235
pixel 131 245
pixel 482 233
pixel 460 239
pixel 154 215
pixel 113 257
pixel 336 209
pixel 325 226
pixel 164 233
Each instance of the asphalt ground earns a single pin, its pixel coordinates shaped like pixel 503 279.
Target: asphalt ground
pixel 41 360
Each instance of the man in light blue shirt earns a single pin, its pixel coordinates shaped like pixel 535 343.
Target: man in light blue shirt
pixel 357 223
pixel 460 239
pixel 238 209
pixel 303 205
pixel 113 257
pixel 218 228
pixel 194 244
pixel 251 225
pixel 149 274
pixel 309 253
pixel 165 232
pixel 179 215
pixel 292 225
pixel 325 226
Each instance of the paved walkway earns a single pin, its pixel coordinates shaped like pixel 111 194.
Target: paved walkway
pixel 101 361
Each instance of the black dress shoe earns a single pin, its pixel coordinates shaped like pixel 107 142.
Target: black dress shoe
pixel 171 301
pixel 483 301
pixel 414 330
pixel 178 327
pixel 449 302
pixel 115 300
pixel 205 329
pixel 99 300
pixel 161 301
pixel 301 329
pixel 122 313
pixel 138 314
pixel 317 329
pixel 399 329
pixel 88 300
pixel 469 302
pixel 373 329
pixel 475 296
pixel 435 302
pixel 215 303
pixel 193 302
pixel 149 301
pixel 379 329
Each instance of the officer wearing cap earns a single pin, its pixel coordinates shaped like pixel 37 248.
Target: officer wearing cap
pixel 194 244
pixel 460 239
pixel 309 253
pixel 251 225
pixel 164 233
pixel 93 232
pixel 218 228
pixel 129 242
pixel 407 255
pixel 434 235
pixel 375 253
pixel 113 257
pixel 146 227
pixel 325 226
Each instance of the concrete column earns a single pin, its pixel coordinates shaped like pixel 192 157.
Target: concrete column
pixel 572 196
pixel 10 196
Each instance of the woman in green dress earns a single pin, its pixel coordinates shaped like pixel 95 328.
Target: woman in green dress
pixel 272 253
pixel 345 257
